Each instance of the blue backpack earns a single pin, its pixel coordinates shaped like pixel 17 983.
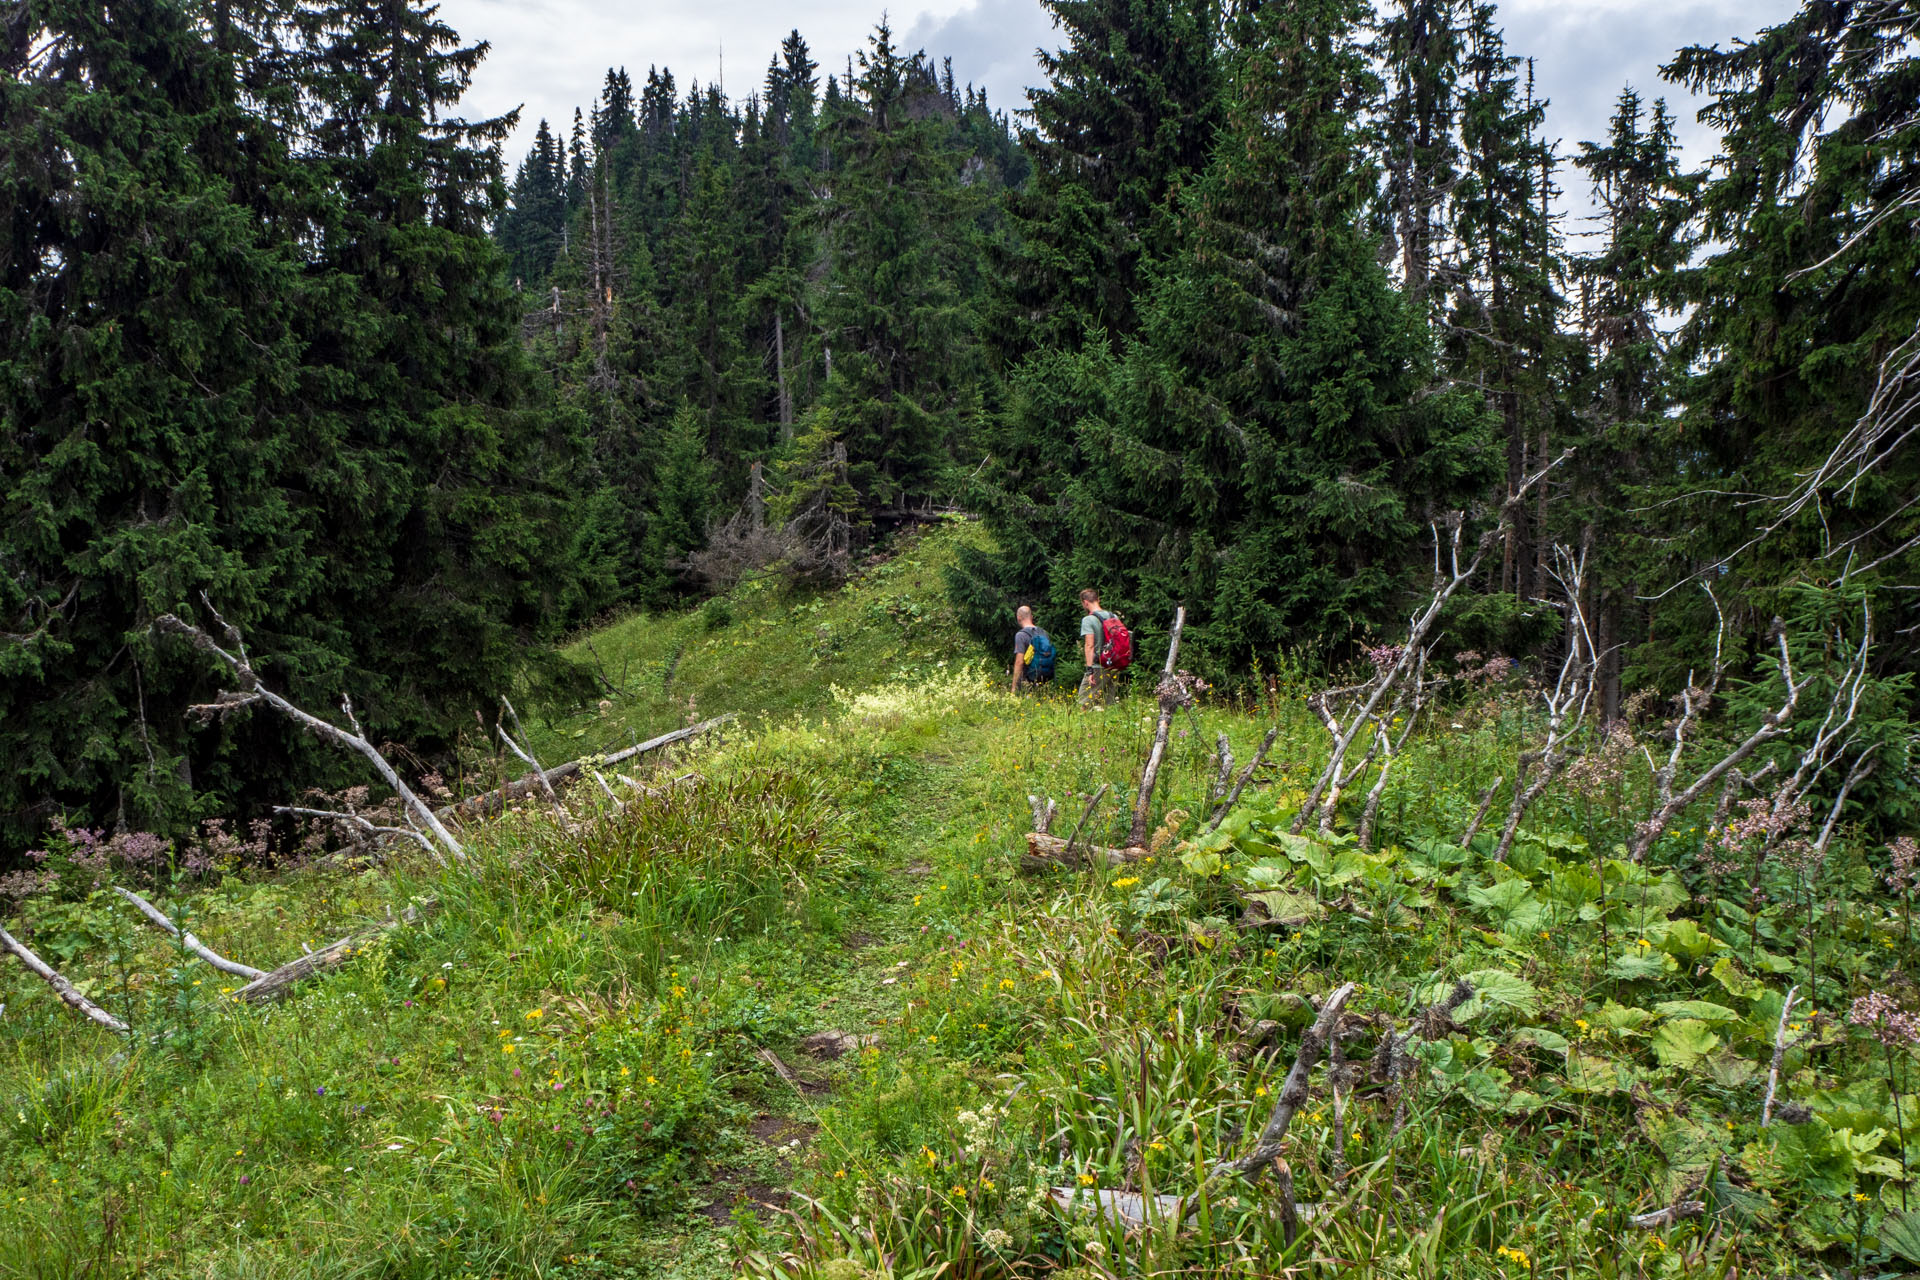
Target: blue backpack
pixel 1041 668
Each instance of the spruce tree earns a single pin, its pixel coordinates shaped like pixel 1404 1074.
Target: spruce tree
pixel 1265 454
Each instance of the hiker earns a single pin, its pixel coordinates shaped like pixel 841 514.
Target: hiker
pixel 1033 652
pixel 1106 646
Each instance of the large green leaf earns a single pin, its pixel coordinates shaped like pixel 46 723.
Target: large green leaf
pixel 1704 1010
pixel 1511 906
pixel 1687 940
pixel 1497 991
pixel 1684 1042
pixel 1900 1235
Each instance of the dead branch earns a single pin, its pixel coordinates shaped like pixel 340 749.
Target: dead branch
pixel 1390 747
pixel 1223 775
pixel 1567 701
pixel 491 802
pixel 1225 807
pixel 1480 814
pixel 1660 1219
pixel 187 940
pixel 1043 814
pixel 61 987
pixel 361 824
pixel 253 690
pixel 1669 803
pixel 1045 852
pixel 1173 693
pixel 1293 1093
pixel 526 755
pixel 1779 1056
pixel 1377 690
pixel 1087 816
pixel 274 985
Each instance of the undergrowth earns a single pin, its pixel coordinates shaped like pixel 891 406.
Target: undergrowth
pixel 562 1069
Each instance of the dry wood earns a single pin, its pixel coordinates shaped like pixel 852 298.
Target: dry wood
pixel 1240 784
pixel 1045 851
pixel 1662 1218
pixel 1779 1056
pixel 1670 803
pixel 1376 691
pixel 61 987
pixel 274 985
pixel 359 823
pixel 1223 776
pixel 1087 815
pixel 1293 1093
pixel 526 755
pixel 1172 696
pixel 1132 1210
pixel 187 940
pixel 491 802
pixel 1480 814
pixel 253 690
pixel 1566 703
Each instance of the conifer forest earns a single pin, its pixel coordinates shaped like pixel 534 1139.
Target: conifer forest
pixel 507 758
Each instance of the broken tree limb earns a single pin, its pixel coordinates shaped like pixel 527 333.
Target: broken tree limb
pixel 274 985
pixel 1130 1209
pixel 359 823
pixel 1779 1056
pixel 187 940
pixel 1293 1093
pixel 1045 851
pixel 1084 817
pixel 1240 784
pixel 253 690
pixel 1223 756
pixel 1480 814
pixel 488 803
pixel 1660 1219
pixel 61 987
pixel 539 774
pixel 1172 694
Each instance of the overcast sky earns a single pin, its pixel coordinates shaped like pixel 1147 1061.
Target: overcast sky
pixel 552 55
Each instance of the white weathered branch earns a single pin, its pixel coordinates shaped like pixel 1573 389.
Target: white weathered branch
pixel 253 689
pixel 61 987
pixel 1171 697
pixel 187 940
pixel 1779 1056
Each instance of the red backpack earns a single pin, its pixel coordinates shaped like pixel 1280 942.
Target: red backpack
pixel 1116 643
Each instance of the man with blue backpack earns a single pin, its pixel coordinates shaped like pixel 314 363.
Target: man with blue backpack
pixel 1032 652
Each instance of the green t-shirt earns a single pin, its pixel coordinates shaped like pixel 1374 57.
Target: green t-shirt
pixel 1090 625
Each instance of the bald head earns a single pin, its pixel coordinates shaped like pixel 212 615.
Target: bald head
pixel 1023 615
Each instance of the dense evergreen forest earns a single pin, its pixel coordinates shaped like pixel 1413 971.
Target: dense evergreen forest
pixel 1237 313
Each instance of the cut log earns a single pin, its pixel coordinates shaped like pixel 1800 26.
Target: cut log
pixel 61 987
pixel 1045 851
pixel 276 984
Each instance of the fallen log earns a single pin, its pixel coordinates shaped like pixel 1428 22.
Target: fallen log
pixel 1131 1210
pixel 274 985
pixel 61 987
pixel 1045 851
pixel 488 803
pixel 187 940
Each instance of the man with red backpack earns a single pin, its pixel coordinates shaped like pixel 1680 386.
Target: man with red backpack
pixel 1107 647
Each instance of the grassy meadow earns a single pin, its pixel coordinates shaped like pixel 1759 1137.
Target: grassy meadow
pixel 591 1058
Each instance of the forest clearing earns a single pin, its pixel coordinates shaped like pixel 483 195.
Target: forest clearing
pixel 794 1005
pixel 1286 647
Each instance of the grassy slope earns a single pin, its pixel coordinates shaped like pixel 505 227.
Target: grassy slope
pixel 376 1124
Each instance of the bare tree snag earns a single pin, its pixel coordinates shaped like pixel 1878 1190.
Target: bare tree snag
pixel 1225 807
pixel 274 985
pixel 1669 803
pixel 1375 692
pixel 253 690
pixel 1223 775
pixel 360 824
pixel 1172 694
pixel 1480 814
pixel 61 987
pixel 187 940
pixel 1779 1056
pixel 1566 703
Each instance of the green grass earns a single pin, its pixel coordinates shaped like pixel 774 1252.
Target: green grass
pixel 559 1071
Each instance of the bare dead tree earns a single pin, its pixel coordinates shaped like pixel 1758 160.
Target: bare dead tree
pixel 526 755
pixel 1669 802
pixel 1480 814
pixel 1567 702
pixel 254 691
pixel 1173 692
pixel 1373 693
pixel 1390 747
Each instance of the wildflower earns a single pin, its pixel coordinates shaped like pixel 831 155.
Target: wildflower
pixel 1125 882
pixel 651 1080
pixel 1260 1091
pixel 506 1048
pixel 625 1071
pixel 958 1191
pixel 1891 1025
pixel 1086 1179
pixel 995 1238
pixel 1580 1023
pixel 839 1173
pixel 534 1015
pixel 1861 1197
